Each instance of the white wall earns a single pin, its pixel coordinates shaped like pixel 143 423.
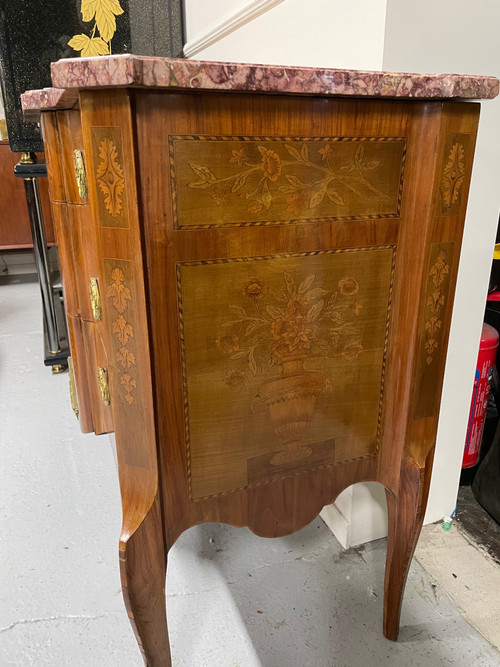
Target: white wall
pixel 428 36
pixel 457 36
pixel 324 33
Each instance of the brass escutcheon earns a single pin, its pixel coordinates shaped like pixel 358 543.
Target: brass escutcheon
pixel 72 388
pixel 81 174
pixel 102 379
pixel 95 299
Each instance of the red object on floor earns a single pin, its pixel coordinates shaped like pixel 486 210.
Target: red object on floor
pixel 482 384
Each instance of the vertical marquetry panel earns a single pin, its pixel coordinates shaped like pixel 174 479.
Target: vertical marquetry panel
pixel 107 154
pixel 109 149
pixel 436 307
pixel 458 127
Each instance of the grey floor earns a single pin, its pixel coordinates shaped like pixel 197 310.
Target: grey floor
pixel 234 600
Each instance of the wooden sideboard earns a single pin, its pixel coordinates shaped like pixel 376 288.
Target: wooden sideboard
pixel 15 232
pixel 272 255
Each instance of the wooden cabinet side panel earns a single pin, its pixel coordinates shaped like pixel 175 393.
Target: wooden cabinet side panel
pixel 160 117
pixel 455 152
pixel 416 218
pixel 53 156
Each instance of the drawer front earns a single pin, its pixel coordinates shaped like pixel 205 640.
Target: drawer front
pixel 79 259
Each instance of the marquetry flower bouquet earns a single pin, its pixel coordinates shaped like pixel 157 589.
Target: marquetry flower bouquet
pixel 287 326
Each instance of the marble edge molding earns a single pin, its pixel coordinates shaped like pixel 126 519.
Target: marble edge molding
pixel 129 70
pixel 34 101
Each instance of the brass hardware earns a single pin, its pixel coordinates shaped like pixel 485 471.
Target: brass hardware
pixel 28 158
pixel 102 379
pixel 81 174
pixel 72 388
pixel 95 299
pixel 58 368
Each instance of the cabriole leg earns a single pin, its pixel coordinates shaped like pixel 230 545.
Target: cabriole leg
pixel 405 516
pixel 143 564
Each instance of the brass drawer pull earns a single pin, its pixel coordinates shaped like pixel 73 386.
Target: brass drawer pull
pixel 102 379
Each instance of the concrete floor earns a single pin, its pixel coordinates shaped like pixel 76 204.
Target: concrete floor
pixel 234 600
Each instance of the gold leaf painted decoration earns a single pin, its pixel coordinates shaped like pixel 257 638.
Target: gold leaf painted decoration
pixel 120 296
pixel 110 177
pixel 89 46
pixel 435 302
pixel 453 174
pixel 103 13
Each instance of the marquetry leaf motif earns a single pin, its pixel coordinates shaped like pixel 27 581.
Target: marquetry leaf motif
pixel 125 357
pixel 434 303
pixel 439 270
pixel 123 329
pixel 118 291
pixel 129 385
pixel 110 177
pixel 453 174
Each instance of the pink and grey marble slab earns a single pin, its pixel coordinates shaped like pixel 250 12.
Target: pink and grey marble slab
pixel 33 101
pixel 151 72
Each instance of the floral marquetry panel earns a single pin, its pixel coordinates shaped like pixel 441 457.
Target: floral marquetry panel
pixel 434 326
pixel 453 174
pixel 109 177
pixel 124 353
pixel 228 180
pixel 283 362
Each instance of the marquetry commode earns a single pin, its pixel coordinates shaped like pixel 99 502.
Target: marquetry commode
pixel 259 267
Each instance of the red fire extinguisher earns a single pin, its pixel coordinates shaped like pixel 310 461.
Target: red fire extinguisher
pixel 482 384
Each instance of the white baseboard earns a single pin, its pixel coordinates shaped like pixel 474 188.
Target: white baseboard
pixel 338 524
pixel 228 25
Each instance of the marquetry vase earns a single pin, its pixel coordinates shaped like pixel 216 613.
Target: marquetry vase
pixel 291 400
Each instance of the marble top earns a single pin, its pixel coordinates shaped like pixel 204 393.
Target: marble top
pixel 152 72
